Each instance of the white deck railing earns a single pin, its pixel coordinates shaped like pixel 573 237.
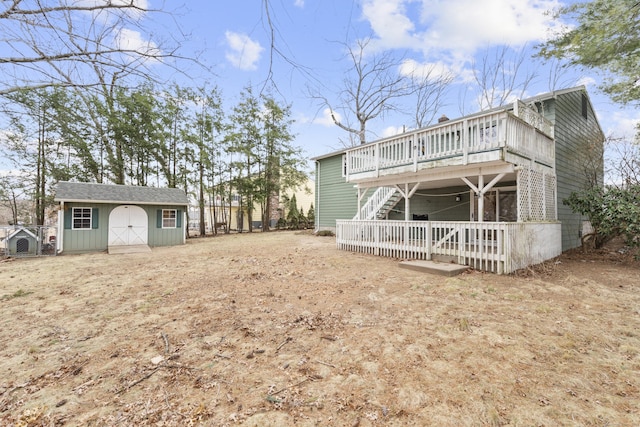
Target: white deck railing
pixel 496 247
pixel 458 138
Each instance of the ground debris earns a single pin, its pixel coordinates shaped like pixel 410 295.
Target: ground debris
pixel 185 336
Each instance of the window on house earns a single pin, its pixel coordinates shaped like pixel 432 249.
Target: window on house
pixel 585 112
pixel 169 217
pixel 344 165
pixel 81 218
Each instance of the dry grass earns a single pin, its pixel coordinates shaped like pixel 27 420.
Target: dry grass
pixel 282 329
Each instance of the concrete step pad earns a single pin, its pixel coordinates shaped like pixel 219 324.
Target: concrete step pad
pixel 439 268
pixel 130 249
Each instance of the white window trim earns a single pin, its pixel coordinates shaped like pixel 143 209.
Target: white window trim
pixel 343 166
pixel 175 218
pixel 73 219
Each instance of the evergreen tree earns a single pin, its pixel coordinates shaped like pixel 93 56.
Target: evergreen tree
pixel 606 37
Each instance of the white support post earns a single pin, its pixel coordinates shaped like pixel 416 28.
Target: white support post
pixel 466 141
pixel 481 190
pixel 480 198
pixel 414 147
pixel 407 208
pixel 407 203
pixel 60 236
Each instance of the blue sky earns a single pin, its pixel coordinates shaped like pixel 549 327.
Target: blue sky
pixel 233 39
pixel 447 35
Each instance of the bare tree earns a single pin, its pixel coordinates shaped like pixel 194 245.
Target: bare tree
pixel 56 42
pixel 501 78
pixel 371 88
pixel 591 154
pixel 558 75
pixel 11 192
pixel 623 161
pixel 430 86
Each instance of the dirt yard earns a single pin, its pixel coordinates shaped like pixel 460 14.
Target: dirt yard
pixel 281 329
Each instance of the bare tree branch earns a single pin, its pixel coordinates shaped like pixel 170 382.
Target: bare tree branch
pixel 371 89
pixel 275 51
pixel 501 78
pixel 58 43
pixel 430 89
pixel 623 160
pixel 14 10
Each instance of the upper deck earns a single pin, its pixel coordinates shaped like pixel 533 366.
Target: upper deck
pixel 508 135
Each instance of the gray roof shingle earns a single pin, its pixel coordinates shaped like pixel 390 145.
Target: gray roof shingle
pixel 109 193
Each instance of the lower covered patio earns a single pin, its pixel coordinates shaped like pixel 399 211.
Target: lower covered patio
pixel 497 217
pixel 497 247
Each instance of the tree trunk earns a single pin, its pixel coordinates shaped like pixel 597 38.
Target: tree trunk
pixel 40 171
pixel 203 230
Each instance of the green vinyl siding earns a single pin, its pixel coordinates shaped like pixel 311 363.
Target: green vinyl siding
pixel 573 136
pixel 335 198
pixel 440 204
pixel 96 239
pixel 436 206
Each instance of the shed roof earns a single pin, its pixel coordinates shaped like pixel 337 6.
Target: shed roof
pixel 110 193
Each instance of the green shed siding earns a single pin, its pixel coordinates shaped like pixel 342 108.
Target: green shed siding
pixel 573 135
pixel 96 239
pixel 159 236
pixel 89 240
pixel 335 198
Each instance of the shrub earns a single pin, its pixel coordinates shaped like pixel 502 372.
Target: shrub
pixel 612 211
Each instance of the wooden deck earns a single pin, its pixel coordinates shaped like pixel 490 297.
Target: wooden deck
pixel 493 136
pixel 495 247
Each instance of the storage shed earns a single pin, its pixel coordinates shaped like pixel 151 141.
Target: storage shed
pixel 96 217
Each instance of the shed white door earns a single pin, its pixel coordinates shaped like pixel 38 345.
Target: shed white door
pixel 128 225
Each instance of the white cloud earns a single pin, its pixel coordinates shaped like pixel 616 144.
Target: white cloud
pixel 623 124
pixel 144 4
pixel 243 52
pixel 136 12
pixel 130 40
pixel 392 131
pixel 429 70
pixel 298 3
pixel 461 26
pixel 390 23
pixel 586 81
pixel 325 119
pixel 469 24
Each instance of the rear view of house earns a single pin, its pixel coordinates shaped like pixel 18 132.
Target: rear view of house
pixel 97 217
pixel 485 190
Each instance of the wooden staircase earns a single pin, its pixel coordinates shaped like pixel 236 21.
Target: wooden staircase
pixel 381 202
